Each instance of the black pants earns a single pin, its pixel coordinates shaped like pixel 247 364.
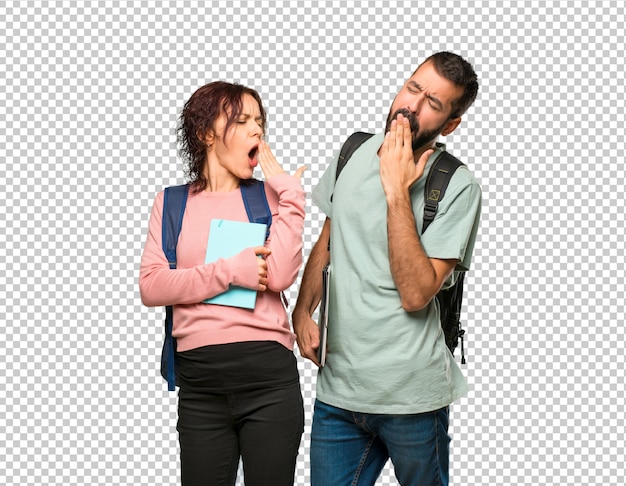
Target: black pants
pixel 239 400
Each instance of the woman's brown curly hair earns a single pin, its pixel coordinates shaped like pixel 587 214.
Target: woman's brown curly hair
pixel 198 118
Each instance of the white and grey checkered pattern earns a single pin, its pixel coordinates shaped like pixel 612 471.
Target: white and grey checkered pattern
pixel 89 95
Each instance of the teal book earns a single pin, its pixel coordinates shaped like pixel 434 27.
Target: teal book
pixel 226 239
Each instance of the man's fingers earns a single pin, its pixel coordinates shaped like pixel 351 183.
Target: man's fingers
pixel 309 352
pixel 391 139
pixel 385 146
pixel 408 139
pixel 308 341
pixel 408 146
pixel 400 130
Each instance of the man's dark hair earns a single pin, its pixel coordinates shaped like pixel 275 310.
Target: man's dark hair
pixel 457 70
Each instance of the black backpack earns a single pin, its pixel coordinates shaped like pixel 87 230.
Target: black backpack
pixel 438 178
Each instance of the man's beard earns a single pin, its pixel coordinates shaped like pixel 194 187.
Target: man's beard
pixel 418 139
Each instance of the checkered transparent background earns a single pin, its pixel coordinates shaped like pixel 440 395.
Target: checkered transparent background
pixel 89 94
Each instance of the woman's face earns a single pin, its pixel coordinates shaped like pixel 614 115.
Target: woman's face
pixel 236 151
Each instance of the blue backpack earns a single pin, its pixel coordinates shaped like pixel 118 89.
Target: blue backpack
pixel 174 203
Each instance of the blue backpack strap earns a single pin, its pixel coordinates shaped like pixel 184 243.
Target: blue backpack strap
pixel 255 201
pixel 174 202
pixel 258 210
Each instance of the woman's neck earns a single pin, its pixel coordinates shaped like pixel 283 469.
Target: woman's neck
pixel 220 180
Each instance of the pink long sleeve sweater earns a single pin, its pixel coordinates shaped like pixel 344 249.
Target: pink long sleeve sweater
pixel 197 324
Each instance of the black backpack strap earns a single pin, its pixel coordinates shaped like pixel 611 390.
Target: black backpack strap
pixel 449 299
pixel 353 142
pixel 436 184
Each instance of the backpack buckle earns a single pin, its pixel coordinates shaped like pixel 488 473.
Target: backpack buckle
pixel 430 209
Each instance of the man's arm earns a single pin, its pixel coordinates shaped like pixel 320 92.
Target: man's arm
pixel 309 296
pixel 417 277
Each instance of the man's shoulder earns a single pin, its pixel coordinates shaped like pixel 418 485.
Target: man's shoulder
pixel 463 176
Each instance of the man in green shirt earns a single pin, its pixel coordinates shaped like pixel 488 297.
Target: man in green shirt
pixel 389 377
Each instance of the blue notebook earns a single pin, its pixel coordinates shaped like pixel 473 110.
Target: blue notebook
pixel 226 239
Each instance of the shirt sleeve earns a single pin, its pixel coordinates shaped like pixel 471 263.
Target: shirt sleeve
pixel 286 198
pixel 322 194
pixel 159 285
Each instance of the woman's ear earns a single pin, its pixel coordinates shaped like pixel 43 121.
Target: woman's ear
pixel 207 137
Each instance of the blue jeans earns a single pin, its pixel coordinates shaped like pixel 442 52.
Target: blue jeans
pixel 351 449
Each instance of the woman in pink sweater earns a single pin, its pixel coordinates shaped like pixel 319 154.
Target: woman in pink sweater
pixel 239 393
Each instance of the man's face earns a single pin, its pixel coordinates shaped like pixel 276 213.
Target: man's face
pixel 426 100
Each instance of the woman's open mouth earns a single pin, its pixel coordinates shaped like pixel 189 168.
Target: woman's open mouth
pixel 252 156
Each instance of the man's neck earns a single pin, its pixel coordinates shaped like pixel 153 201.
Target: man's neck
pixel 429 146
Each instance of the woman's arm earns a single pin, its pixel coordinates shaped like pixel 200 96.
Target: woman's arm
pixel 285 193
pixel 160 285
